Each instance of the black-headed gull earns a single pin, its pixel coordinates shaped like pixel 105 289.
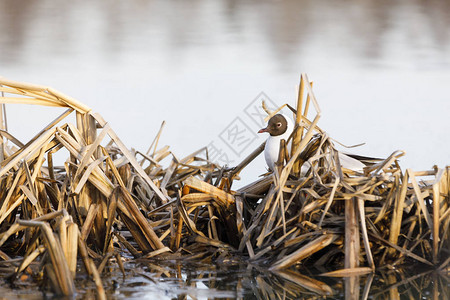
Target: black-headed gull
pixel 280 127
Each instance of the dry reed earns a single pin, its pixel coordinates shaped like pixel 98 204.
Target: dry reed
pixel 107 200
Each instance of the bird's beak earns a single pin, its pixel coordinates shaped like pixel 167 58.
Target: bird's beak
pixel 263 130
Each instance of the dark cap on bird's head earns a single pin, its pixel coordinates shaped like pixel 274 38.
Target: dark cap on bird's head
pixel 277 125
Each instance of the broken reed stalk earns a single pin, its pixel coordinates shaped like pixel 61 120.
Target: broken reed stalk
pixel 352 245
pixel 304 251
pixel 309 215
pixel 298 119
pixel 62 280
pixel 236 170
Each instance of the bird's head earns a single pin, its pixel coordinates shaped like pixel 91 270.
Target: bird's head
pixel 277 125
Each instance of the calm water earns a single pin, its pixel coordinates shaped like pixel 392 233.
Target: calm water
pixel 381 70
pixel 170 280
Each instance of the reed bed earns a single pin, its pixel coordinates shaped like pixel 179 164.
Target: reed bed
pixel 108 204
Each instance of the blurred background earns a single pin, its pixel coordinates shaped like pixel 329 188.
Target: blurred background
pixel 381 69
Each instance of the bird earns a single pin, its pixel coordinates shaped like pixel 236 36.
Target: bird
pixel 279 127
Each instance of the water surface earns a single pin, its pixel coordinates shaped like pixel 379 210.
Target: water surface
pixel 381 70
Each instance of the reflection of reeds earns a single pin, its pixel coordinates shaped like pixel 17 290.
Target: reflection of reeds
pixel 104 198
pixel 243 280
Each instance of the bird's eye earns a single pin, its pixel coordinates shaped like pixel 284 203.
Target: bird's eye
pixel 278 124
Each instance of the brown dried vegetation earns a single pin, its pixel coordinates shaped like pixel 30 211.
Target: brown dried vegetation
pixel 109 202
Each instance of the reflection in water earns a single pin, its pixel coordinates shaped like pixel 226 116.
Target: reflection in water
pixel 362 29
pixel 172 280
pixel 82 27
